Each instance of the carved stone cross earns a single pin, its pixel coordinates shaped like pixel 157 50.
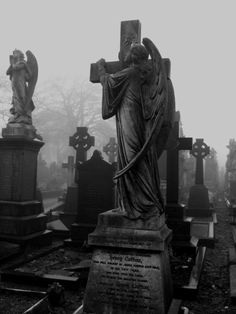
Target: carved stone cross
pixel 70 166
pixel 81 141
pixel 200 150
pixel 182 143
pixel 111 150
pixel 130 32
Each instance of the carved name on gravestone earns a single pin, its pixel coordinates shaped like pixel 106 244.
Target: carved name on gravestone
pixel 126 281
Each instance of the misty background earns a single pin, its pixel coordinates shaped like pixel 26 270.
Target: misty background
pixel 66 36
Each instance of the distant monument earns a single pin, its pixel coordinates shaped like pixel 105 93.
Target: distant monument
pixel 130 272
pixel 95 195
pixel 81 141
pixel 21 216
pixel 230 173
pixel 198 202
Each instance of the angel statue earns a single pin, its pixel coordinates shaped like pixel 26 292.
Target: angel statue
pixel 138 97
pixel 23 75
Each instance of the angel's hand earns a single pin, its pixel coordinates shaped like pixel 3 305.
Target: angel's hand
pixel 101 63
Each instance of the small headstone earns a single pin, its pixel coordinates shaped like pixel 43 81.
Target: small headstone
pixel 81 141
pixel 95 195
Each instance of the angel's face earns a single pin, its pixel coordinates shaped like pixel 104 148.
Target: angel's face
pixel 18 55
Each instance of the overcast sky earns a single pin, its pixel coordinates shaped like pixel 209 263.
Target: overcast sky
pixel 198 36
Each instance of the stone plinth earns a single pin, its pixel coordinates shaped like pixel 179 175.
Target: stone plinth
pixel 198 203
pixel 21 215
pixel 18 169
pixel 175 221
pixel 130 270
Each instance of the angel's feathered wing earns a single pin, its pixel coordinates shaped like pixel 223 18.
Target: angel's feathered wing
pixel 155 97
pixel 33 77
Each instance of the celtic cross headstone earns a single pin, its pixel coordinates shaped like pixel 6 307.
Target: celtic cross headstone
pixel 200 150
pixel 111 150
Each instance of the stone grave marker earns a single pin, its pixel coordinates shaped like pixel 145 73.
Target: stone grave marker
pixel 81 141
pixel 198 202
pixel 174 210
pixel 130 266
pixel 95 195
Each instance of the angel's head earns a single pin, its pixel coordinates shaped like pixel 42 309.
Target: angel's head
pixel 18 54
pixel 137 54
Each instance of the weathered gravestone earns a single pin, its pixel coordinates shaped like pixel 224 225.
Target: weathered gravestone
pixel 198 202
pixel 81 141
pixel 174 210
pixel 130 271
pixel 21 216
pixel 95 195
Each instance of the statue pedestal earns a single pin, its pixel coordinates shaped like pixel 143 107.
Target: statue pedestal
pixel 21 216
pixel 198 203
pixel 130 272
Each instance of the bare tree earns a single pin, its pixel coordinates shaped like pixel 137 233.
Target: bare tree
pixel 61 107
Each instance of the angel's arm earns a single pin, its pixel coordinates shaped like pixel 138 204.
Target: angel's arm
pixel 9 71
pixel 101 70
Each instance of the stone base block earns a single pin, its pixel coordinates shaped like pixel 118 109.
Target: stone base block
pixel 128 281
pixel 174 211
pixel 80 232
pixel 41 238
pixel 67 218
pixel 198 197
pixel 22 225
pixel 130 271
pixel 116 230
pixel 180 229
pixel 20 130
pixel 18 168
pixel 19 209
pixel 175 221
pixel 199 212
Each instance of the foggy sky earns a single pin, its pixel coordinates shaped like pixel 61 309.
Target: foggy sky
pixel 198 36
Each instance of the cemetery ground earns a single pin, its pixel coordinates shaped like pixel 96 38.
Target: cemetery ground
pixel 37 268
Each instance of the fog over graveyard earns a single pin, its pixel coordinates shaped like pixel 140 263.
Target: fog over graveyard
pixel 198 37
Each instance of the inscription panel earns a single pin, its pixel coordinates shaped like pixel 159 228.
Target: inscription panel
pixel 127 282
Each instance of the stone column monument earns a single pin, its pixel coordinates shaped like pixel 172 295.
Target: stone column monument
pixel 130 270
pixel 21 216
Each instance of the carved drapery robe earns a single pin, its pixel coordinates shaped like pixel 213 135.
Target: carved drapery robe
pixel 138 189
